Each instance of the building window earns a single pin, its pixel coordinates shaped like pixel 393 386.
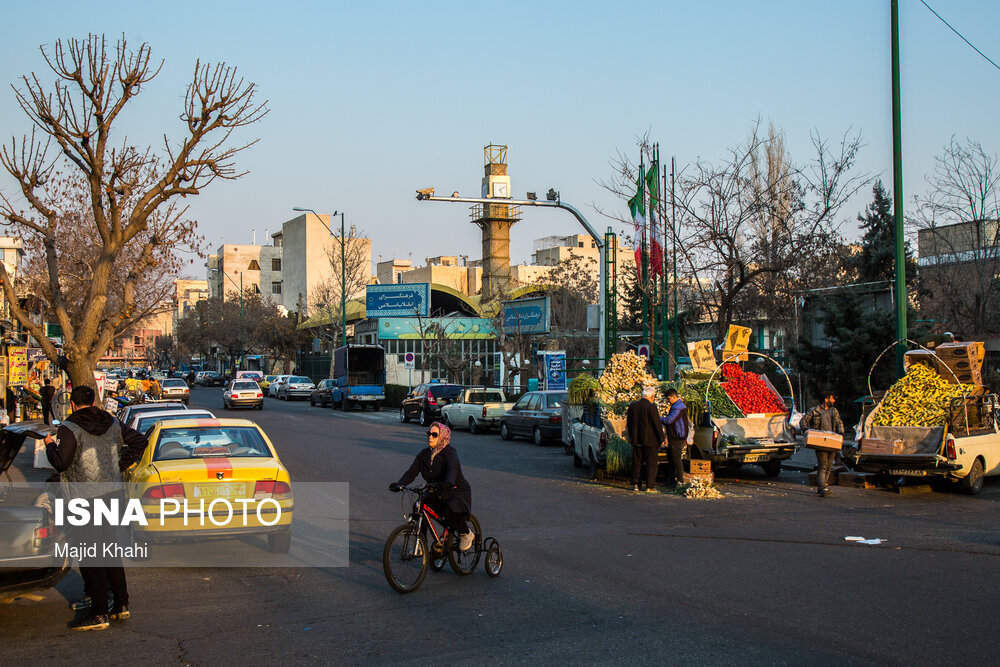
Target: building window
pixel 276 265
pixel 276 288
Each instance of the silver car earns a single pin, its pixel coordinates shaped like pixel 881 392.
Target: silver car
pixel 175 389
pixel 296 386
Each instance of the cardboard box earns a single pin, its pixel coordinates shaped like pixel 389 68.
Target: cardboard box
pixel 826 440
pixel 858 480
pixel 974 352
pixel 959 376
pixel 920 356
pixel 708 478
pixel 832 480
pixel 877 446
pixel 700 466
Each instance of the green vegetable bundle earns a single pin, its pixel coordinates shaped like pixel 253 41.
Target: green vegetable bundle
pixel 693 395
pixel 582 388
pixel 618 456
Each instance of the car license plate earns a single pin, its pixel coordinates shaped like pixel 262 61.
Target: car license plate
pixel 230 490
pixel 903 472
pixel 752 458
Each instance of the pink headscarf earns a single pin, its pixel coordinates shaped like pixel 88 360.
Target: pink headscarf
pixel 444 438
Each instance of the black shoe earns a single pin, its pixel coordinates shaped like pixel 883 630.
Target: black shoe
pixel 825 492
pixel 85 602
pixel 91 622
pixel 120 613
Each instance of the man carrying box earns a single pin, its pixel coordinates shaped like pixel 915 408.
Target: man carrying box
pixel 824 417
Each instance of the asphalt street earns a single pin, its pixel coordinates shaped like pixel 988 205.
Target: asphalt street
pixel 593 574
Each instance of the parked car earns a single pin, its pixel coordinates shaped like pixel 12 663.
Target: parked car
pixel 477 409
pixel 275 385
pixel 243 394
pixel 212 379
pixel 321 395
pixel 198 376
pixel 256 376
pixel 175 389
pixel 128 413
pixel 245 462
pixel 296 386
pixel 29 535
pixel 537 414
pixel 424 403
pixel 145 421
pixel 266 382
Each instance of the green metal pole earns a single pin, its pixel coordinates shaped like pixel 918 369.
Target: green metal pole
pixel 897 194
pixel 673 233
pixel 665 299
pixel 343 285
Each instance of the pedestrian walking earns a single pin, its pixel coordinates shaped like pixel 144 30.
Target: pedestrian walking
pixel 677 426
pixel 824 417
pixel 645 434
pixel 91 451
pixel 47 392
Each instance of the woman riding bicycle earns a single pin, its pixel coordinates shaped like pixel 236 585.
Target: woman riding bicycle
pixel 439 464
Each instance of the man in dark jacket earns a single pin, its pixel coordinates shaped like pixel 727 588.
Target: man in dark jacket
pixel 92 450
pixel 47 392
pixel 824 417
pixel 438 464
pixel 645 434
pixel 677 425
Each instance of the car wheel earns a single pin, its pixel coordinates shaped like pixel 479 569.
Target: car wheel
pixel 403 417
pixel 536 436
pixel 280 543
pixel 446 420
pixel 424 418
pixel 568 449
pixel 595 469
pixel 473 427
pixel 577 461
pixel 260 406
pixel 973 482
pixel 377 407
pixel 771 468
pixel 225 406
pixel 312 402
pixel 504 433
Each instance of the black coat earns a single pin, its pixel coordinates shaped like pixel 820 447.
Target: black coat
pixel 444 469
pixel 642 421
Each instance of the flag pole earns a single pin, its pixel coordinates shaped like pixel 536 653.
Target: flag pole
pixel 643 281
pixel 664 307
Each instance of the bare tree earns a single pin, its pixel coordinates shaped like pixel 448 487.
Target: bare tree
pixel 514 343
pixel 132 192
pixel 349 284
pixel 958 223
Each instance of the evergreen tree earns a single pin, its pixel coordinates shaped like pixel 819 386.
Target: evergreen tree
pixel 630 302
pixel 877 258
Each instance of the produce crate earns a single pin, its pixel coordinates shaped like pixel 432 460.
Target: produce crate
pixel 700 466
pixel 707 477
pixel 824 440
pixel 880 446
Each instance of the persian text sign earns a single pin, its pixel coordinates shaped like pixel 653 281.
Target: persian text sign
pixel 527 315
pixel 398 300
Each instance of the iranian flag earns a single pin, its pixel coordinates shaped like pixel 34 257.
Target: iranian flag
pixel 655 240
pixel 637 205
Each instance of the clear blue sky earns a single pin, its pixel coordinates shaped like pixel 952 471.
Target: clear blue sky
pixel 370 101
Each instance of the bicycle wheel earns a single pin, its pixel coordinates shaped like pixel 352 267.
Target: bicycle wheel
pixel 404 559
pixel 494 559
pixel 464 562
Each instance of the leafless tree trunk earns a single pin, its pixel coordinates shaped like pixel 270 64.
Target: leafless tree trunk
pixel 958 230
pixel 356 274
pixel 132 193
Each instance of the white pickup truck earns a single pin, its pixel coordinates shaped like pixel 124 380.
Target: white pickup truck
pixel 477 408
pixel 965 450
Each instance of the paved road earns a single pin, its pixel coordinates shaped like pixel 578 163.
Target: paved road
pixel 593 573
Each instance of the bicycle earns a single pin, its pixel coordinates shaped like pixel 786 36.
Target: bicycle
pixel 406 555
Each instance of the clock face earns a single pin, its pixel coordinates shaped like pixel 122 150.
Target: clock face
pixel 499 189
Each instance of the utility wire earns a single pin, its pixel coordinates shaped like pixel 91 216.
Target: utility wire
pixel 959 34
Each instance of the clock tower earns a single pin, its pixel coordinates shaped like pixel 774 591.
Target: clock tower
pixel 495 220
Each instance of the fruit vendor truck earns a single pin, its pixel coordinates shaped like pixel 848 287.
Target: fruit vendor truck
pixel 748 424
pixel 929 428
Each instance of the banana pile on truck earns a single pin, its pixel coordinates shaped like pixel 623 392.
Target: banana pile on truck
pixel 937 421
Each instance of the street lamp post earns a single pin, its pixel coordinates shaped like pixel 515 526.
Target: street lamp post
pixel 343 270
pixel 243 347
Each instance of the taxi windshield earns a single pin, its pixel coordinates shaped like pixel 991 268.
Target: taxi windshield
pixel 200 442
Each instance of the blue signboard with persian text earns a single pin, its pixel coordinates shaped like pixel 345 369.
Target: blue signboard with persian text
pixel 555 370
pixel 396 328
pixel 526 315
pixel 398 300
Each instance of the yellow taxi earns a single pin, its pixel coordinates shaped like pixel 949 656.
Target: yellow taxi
pixel 212 478
pixel 266 381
